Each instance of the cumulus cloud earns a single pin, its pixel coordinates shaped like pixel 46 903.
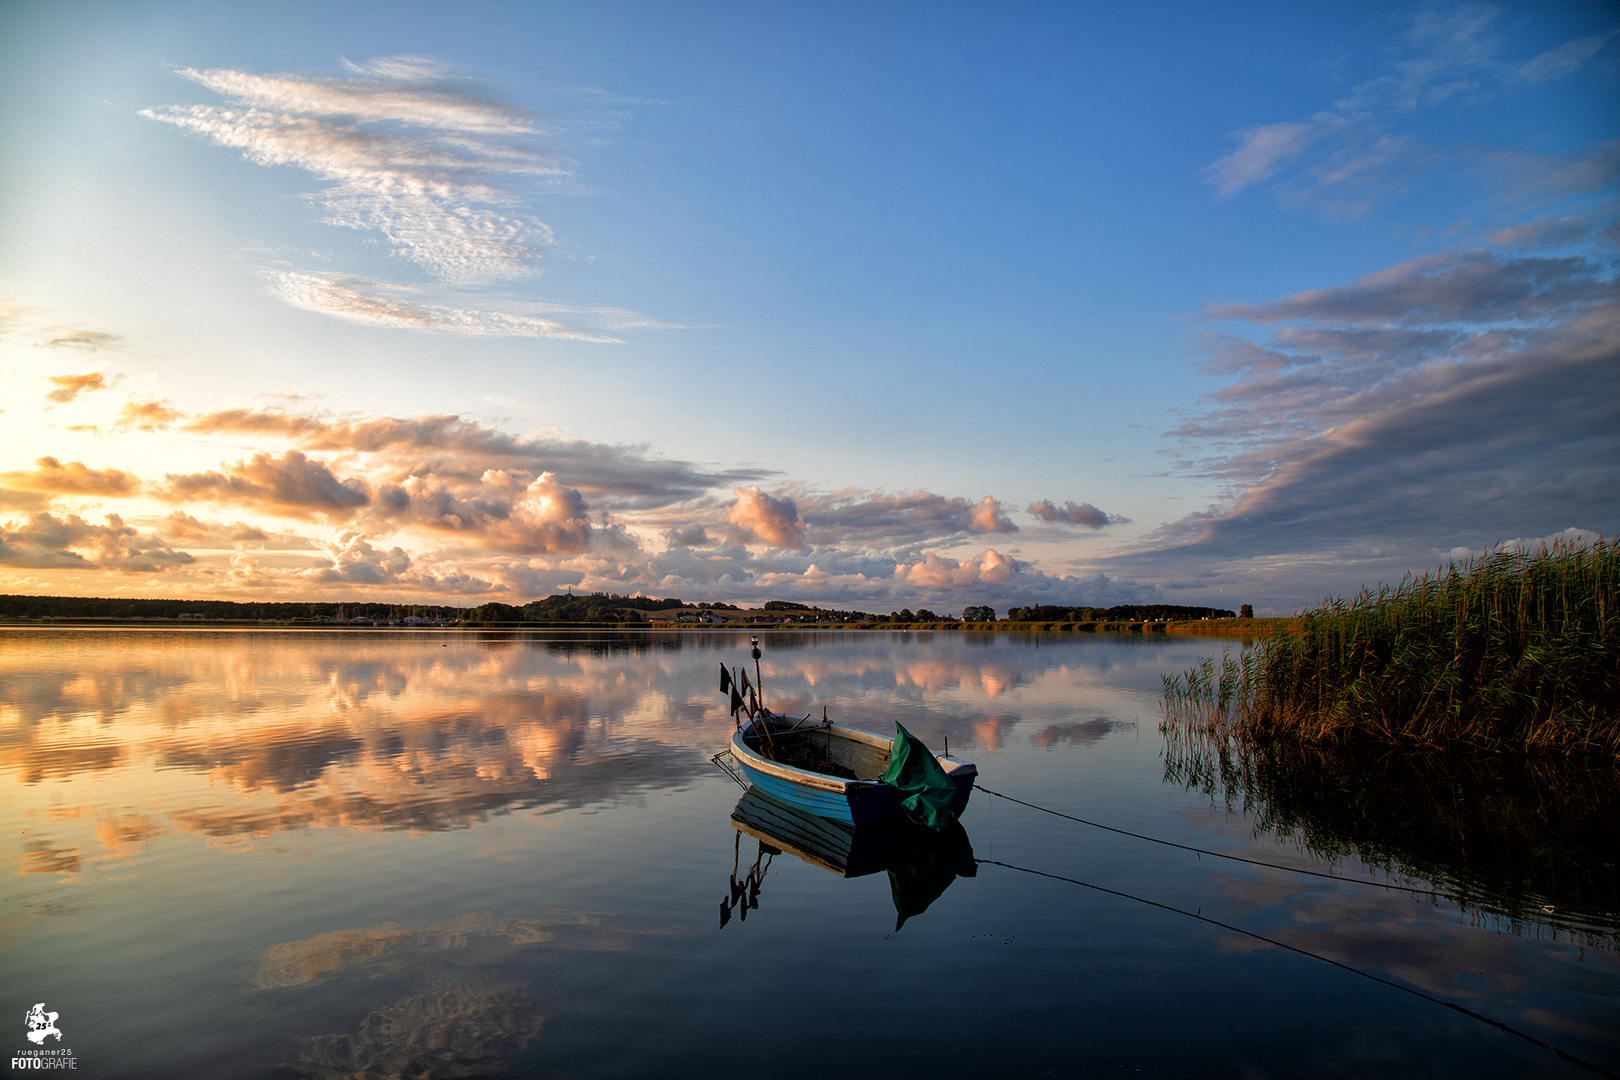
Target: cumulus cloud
pixel 866 517
pixel 758 516
pixel 549 518
pixel 403 150
pixel 687 536
pixel 74 478
pixel 356 562
pixel 939 572
pixel 989 517
pixel 706 568
pixel 449 445
pixel 292 485
pixel 182 528
pixel 991 577
pixel 145 414
pixel 45 541
pixel 1071 513
pixel 69 387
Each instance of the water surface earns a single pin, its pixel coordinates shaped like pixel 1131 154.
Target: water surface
pixel 336 854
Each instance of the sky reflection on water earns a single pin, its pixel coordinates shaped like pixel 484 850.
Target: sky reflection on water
pixel 391 854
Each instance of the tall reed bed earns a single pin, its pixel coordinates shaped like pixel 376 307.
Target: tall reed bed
pixel 1513 650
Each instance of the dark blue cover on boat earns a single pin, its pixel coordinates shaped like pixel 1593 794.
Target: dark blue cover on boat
pixel 920 784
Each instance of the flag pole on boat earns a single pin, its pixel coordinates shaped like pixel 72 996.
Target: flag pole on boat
pixel 759 680
pixel 759 691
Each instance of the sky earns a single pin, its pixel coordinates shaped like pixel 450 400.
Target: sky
pixel 860 305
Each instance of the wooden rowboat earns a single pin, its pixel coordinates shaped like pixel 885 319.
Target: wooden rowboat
pixel 830 770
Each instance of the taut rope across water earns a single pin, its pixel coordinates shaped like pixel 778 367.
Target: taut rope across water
pixel 1571 1058
pixel 1430 892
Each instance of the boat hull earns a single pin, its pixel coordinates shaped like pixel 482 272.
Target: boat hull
pixel 852 802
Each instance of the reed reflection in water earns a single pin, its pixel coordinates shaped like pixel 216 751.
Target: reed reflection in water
pixel 1530 845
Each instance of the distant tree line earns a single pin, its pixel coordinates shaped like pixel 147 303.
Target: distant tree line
pixel 95 607
pixel 599 607
pixel 793 609
pixel 906 615
pixel 1117 613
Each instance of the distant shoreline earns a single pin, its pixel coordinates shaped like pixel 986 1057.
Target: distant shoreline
pixel 1240 627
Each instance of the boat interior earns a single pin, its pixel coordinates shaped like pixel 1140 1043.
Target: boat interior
pixel 821 748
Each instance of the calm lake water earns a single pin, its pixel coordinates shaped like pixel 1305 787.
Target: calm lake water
pixel 353 854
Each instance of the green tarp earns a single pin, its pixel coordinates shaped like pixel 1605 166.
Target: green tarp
pixel 924 789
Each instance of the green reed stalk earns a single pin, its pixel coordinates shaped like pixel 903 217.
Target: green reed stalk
pixel 1513 650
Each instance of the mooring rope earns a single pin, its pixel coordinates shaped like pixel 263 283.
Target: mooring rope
pixel 1430 892
pixel 1583 1063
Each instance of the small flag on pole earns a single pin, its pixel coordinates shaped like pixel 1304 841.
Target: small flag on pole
pixel 725 679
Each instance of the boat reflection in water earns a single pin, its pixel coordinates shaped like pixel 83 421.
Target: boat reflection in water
pixel 921 862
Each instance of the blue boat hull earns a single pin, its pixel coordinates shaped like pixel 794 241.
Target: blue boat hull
pixel 861 802
pixel 864 804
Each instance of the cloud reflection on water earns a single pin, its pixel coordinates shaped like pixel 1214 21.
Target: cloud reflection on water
pixel 232 736
pixel 461 1014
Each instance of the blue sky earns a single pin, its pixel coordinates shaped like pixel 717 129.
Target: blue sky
pixel 866 305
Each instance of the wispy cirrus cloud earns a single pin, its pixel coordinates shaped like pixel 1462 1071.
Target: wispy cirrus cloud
pixel 404 151
pixel 365 302
pixel 1439 405
pixel 1469 287
pixel 1339 159
pixel 1563 60
pixel 43 329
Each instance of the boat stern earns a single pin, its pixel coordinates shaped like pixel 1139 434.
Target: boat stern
pixel 963 774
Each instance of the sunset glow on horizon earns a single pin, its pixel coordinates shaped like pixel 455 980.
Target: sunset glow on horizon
pixel 866 307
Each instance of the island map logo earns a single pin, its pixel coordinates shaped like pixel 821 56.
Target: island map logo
pixel 40 1025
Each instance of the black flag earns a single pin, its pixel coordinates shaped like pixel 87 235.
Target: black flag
pixel 742 680
pixel 736 701
pixel 725 679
